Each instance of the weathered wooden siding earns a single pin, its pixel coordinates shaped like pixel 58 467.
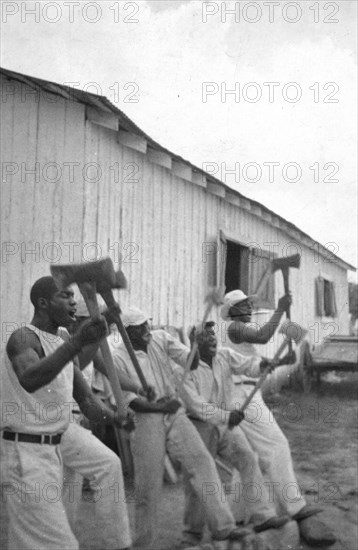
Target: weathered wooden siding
pixel 156 220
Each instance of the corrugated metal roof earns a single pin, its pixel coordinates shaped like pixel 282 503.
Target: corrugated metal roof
pixel 125 123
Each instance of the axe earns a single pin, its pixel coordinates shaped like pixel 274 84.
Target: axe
pixel 104 288
pixel 291 331
pixel 215 297
pixel 284 265
pixel 87 276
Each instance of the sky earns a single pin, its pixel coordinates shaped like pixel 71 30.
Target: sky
pixel 286 134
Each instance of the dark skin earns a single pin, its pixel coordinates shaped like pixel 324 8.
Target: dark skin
pixel 241 313
pixel 140 337
pixel 35 370
pixel 99 364
pixel 239 331
pixel 24 350
pixel 207 346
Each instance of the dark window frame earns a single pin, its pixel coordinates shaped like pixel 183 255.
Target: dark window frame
pixel 252 263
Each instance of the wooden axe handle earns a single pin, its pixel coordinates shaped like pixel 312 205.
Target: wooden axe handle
pixel 131 353
pixel 264 376
pixel 88 292
pixel 285 280
pixel 288 311
pixel 108 297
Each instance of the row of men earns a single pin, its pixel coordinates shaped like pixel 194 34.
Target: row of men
pixel 44 369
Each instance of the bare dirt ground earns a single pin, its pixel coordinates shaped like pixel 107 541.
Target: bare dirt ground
pixel 322 430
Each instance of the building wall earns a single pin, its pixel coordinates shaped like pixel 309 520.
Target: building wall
pixel 157 221
pixel 250 229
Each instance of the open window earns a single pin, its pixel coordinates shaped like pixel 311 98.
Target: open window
pixel 237 267
pixel 326 305
pixel 241 266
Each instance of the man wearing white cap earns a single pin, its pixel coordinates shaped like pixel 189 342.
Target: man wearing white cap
pixel 263 432
pixel 164 427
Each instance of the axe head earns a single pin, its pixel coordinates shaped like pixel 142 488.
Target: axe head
pixel 215 296
pixel 285 263
pixel 98 272
pixel 293 331
pixel 120 282
pixel 105 290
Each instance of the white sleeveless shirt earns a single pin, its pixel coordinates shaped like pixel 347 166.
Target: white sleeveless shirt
pixel 46 410
pixel 245 348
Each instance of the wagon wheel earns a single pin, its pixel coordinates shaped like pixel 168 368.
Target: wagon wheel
pixel 305 368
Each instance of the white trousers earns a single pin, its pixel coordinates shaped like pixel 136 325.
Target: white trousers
pixel 35 491
pixel 271 445
pixel 154 436
pixel 33 497
pixel 84 454
pixel 252 492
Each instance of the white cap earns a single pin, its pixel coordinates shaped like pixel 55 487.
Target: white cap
pixel 134 317
pixel 232 298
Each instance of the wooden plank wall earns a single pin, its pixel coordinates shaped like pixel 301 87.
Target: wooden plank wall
pixel 157 221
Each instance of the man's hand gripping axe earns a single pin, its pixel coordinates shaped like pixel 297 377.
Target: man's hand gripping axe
pixel 88 277
pixel 284 264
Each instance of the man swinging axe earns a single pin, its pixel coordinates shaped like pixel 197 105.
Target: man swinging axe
pixel 264 435
pixel 41 374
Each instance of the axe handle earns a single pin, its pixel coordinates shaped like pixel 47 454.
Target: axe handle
pixel 131 353
pixel 110 302
pixel 89 294
pixel 288 311
pixel 194 349
pixel 285 280
pixel 263 376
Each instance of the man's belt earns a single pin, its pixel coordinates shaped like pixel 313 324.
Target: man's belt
pixel 32 438
pixel 247 382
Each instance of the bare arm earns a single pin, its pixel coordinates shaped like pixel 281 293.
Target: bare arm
pixel 87 354
pixel 241 332
pixel 32 368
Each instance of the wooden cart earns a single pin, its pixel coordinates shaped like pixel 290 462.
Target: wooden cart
pixel 336 353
